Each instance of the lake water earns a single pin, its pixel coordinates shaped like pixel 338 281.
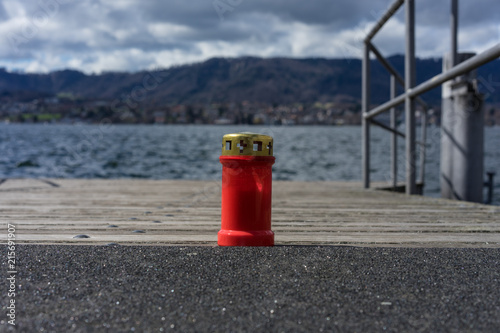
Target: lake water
pixel 310 153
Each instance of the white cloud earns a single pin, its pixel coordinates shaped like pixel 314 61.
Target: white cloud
pixel 167 30
pixel 103 35
pixel 14 8
pixel 479 38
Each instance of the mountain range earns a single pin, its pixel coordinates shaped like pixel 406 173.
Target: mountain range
pixel 266 80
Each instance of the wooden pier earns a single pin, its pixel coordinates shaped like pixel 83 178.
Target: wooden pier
pixel 172 212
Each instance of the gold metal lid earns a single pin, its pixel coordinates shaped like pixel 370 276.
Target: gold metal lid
pixel 247 144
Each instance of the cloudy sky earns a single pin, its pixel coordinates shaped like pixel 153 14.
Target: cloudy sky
pixel 130 35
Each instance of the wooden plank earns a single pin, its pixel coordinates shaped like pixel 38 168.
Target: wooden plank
pixel 172 212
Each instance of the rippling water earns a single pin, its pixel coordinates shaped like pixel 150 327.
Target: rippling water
pixel 191 152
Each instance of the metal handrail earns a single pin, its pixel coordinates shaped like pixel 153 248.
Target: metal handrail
pixel 393 130
pixel 393 71
pixel 460 69
pixel 412 93
pixel 387 15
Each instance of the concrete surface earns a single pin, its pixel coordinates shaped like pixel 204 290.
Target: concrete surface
pixel 282 289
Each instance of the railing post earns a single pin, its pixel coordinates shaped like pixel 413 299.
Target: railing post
pixel 411 187
pixel 490 185
pixel 394 141
pixel 365 104
pixel 454 32
pixel 423 147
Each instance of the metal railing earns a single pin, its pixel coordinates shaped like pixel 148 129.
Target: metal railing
pixel 410 95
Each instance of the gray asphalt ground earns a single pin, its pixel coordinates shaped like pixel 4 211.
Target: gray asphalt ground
pixel 280 289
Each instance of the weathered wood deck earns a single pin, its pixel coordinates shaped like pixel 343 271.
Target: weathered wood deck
pixel 171 212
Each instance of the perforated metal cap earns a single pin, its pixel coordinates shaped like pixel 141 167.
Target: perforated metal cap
pixel 247 144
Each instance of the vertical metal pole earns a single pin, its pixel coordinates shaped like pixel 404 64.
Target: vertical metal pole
pixel 394 141
pixel 411 187
pixel 454 32
pixel 490 184
pixel 423 147
pixel 365 96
